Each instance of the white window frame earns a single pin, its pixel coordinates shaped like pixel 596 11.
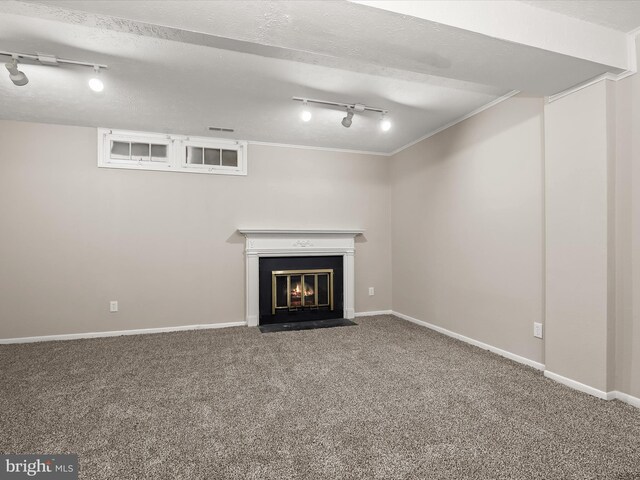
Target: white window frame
pixel 176 152
pixel 215 143
pixel 106 136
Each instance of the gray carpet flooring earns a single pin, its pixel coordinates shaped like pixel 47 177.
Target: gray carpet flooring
pixel 383 400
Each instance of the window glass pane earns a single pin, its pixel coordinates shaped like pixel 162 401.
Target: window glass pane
pixel 212 156
pixel 120 150
pixel 194 155
pixel 158 153
pixel 230 158
pixel 140 152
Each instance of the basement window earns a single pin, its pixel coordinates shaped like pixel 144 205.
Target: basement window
pixel 177 153
pixel 137 152
pixel 208 155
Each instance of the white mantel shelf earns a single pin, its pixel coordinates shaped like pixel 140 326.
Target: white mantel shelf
pixel 259 231
pixel 263 242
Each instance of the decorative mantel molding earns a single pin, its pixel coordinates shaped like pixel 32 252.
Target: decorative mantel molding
pixel 293 243
pixel 285 231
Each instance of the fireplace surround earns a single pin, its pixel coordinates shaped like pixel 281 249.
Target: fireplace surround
pixel 265 243
pixel 300 288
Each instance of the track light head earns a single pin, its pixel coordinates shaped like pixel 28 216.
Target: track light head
pixel 346 121
pixel 17 77
pixel 385 124
pixel 95 83
pixel 305 114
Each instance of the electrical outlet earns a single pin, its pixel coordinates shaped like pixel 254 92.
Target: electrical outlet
pixel 371 291
pixel 537 329
pixel 113 306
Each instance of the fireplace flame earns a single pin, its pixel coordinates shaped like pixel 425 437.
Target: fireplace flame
pixel 296 291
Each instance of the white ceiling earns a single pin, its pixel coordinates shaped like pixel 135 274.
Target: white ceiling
pixel 181 66
pixel 618 15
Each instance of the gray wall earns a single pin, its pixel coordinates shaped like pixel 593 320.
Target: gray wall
pixel 579 170
pixel 468 227
pixel 593 242
pixel 75 236
pixel 628 235
pixel 474 252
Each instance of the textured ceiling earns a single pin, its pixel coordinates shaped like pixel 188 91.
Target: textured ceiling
pixel 181 66
pixel 162 85
pixel 621 15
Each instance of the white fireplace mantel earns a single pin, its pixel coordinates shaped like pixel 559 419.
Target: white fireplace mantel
pixel 294 243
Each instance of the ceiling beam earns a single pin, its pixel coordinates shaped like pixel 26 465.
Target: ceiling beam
pixel 507 44
pixel 523 24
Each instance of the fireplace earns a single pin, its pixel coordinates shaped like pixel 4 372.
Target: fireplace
pixel 263 244
pixel 302 288
pixel 296 290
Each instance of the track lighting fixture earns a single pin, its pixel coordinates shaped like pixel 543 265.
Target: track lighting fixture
pixel 346 121
pixel 95 83
pixel 20 79
pixel 17 77
pixel 351 109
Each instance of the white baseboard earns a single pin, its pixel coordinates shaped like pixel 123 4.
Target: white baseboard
pixel 581 387
pixel 142 331
pixel 485 346
pixel 374 312
pixel 623 397
pixel 626 398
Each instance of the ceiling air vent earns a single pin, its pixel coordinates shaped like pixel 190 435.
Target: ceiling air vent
pixel 220 129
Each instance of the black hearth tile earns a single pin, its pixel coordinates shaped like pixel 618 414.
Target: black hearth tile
pixel 309 325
